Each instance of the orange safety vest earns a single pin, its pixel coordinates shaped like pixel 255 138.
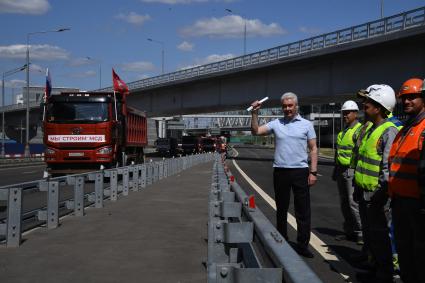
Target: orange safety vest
pixel 404 160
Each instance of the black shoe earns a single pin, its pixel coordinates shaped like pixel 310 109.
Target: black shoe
pixel 303 251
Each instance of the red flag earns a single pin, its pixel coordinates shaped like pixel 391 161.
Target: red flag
pixel 119 84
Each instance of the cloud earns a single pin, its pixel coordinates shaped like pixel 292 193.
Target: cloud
pixel 231 26
pixel 37 69
pixel 133 18
pixel 309 30
pixel 185 46
pixel 209 59
pixel 39 52
pixel 140 66
pixel 33 7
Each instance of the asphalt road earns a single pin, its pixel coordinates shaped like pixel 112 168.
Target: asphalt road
pixel 327 220
pixel 14 175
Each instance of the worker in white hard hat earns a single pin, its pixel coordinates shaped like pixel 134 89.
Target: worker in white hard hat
pixel 344 173
pixel 371 178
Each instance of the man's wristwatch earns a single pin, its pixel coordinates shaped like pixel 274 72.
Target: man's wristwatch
pixel 314 173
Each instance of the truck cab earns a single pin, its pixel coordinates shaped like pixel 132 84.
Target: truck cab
pixel 83 131
pixel 208 144
pixel 166 146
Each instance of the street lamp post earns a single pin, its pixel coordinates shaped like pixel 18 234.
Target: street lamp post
pixel 27 122
pixel 162 52
pixel 244 31
pixel 6 74
pixel 382 9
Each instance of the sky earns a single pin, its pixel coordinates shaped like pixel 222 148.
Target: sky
pixel 114 34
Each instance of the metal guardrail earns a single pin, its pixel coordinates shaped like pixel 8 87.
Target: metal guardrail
pixel 374 29
pixel 108 184
pixel 237 230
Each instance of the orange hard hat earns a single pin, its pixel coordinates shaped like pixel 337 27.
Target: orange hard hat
pixel 411 86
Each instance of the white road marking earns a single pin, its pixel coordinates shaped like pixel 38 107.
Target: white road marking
pixel 338 264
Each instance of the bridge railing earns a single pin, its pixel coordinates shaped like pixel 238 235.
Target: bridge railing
pixel 373 29
pixel 243 245
pixel 43 202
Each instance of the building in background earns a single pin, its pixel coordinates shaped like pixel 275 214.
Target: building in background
pixel 37 92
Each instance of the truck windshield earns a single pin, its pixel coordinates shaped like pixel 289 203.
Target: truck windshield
pixel 81 112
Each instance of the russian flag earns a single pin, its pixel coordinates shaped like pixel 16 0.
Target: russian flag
pixel 48 89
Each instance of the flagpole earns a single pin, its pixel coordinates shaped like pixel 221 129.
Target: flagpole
pixel 116 113
pixel 46 92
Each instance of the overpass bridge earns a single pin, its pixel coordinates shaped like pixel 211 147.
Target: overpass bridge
pixel 324 68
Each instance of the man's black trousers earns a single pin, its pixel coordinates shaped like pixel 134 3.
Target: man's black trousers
pixel 285 179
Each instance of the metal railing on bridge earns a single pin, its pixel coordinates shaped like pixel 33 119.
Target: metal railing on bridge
pixel 243 245
pixel 373 29
pixel 225 121
pixel 71 194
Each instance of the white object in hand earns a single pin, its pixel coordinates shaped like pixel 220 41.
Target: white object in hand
pixel 261 101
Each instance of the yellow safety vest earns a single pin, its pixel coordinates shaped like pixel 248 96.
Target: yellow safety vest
pixel 369 160
pixel 345 145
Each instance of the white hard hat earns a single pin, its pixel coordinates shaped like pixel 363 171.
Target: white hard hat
pixel 349 105
pixel 382 94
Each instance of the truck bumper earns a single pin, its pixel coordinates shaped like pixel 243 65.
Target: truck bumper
pixel 76 161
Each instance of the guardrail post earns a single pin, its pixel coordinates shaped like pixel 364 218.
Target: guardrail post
pixel 14 216
pixel 155 171
pixel 114 185
pixel 79 196
pixel 125 180
pixel 143 176
pixel 161 170
pixel 173 166
pixel 166 168
pixel 149 173
pixel 52 205
pixel 98 190
pixel 135 179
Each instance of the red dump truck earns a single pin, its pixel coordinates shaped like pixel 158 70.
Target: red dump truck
pixel 85 130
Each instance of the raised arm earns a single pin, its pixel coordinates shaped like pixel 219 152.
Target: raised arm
pixel 255 128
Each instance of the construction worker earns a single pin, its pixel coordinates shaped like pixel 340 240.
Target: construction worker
pixel 344 174
pixel 406 184
pixel 371 179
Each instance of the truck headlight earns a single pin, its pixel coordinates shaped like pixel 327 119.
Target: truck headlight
pixel 50 151
pixel 105 150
